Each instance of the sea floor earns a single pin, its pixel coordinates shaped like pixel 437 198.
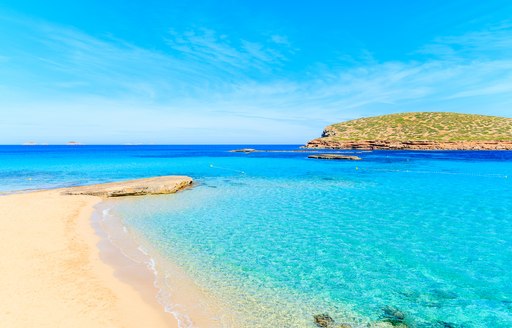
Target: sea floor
pixel 431 243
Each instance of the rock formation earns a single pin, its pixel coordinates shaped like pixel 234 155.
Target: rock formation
pixel 335 157
pixel 139 187
pixel 243 150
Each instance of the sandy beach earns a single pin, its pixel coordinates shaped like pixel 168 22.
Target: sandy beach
pixel 52 271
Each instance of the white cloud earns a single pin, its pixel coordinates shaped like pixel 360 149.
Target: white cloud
pixel 496 41
pixel 233 56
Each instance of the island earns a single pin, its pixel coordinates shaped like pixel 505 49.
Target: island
pixel 419 131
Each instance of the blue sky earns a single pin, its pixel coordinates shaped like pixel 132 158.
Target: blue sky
pixel 179 72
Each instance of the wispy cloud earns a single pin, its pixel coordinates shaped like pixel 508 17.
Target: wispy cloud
pixel 280 39
pixel 493 42
pixel 209 79
pixel 206 46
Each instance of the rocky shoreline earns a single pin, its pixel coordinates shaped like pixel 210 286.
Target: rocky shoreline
pixel 328 143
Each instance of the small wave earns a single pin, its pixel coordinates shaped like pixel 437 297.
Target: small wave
pixel 119 237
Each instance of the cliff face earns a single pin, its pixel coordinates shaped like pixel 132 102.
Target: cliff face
pixel 419 131
pixel 329 143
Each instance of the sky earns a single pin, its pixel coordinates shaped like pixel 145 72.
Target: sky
pixel 242 72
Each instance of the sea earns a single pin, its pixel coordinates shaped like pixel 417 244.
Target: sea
pixel 277 239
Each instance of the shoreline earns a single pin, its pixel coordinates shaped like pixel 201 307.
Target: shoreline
pixel 413 145
pixel 54 272
pixel 127 268
pixel 161 282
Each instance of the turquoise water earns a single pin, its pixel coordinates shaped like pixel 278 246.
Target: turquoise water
pixel 278 238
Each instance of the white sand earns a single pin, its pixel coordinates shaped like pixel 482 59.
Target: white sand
pixel 51 274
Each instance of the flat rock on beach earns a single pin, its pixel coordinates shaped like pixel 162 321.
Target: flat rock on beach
pixel 139 187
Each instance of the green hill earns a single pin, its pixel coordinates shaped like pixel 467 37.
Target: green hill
pixel 416 128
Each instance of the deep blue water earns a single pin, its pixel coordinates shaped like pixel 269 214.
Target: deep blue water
pixel 279 237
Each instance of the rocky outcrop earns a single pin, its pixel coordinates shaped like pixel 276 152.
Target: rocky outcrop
pixel 330 143
pixel 243 150
pixel 335 157
pixel 140 187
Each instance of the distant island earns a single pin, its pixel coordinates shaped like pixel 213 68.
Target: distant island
pixel 419 131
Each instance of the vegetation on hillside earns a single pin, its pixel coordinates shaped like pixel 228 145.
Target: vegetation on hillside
pixel 423 126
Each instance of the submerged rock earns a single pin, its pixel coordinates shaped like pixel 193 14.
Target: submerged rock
pixel 445 324
pixel 438 324
pixel 326 321
pixel 444 294
pixel 384 324
pixel 391 311
pixel 393 316
pixel 335 156
pixel 380 325
pixel 323 320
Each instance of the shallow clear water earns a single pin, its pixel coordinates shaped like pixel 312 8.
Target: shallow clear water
pixel 278 237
